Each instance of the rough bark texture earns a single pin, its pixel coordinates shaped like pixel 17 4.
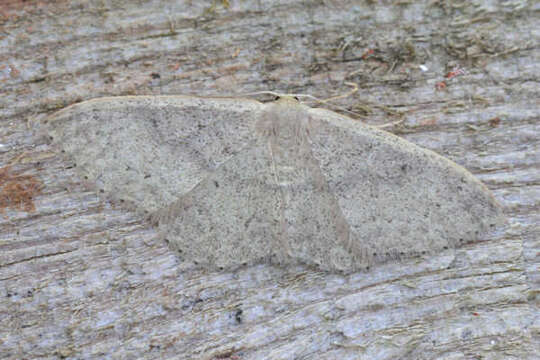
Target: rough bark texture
pixel 80 278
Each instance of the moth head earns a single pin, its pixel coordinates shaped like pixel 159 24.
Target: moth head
pixel 286 99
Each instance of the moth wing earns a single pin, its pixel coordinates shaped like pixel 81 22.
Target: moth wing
pixel 147 151
pixel 398 199
pixel 230 218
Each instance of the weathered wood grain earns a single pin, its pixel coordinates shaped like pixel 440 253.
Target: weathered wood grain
pixel 80 278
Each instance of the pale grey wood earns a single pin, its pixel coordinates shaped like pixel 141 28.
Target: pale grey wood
pixel 82 279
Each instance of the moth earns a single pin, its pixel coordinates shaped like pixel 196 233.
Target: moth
pixel 233 182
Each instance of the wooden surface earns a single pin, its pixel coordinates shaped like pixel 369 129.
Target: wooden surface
pixel 80 278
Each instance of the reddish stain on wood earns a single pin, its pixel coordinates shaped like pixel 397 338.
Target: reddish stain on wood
pixel 18 191
pixel 495 121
